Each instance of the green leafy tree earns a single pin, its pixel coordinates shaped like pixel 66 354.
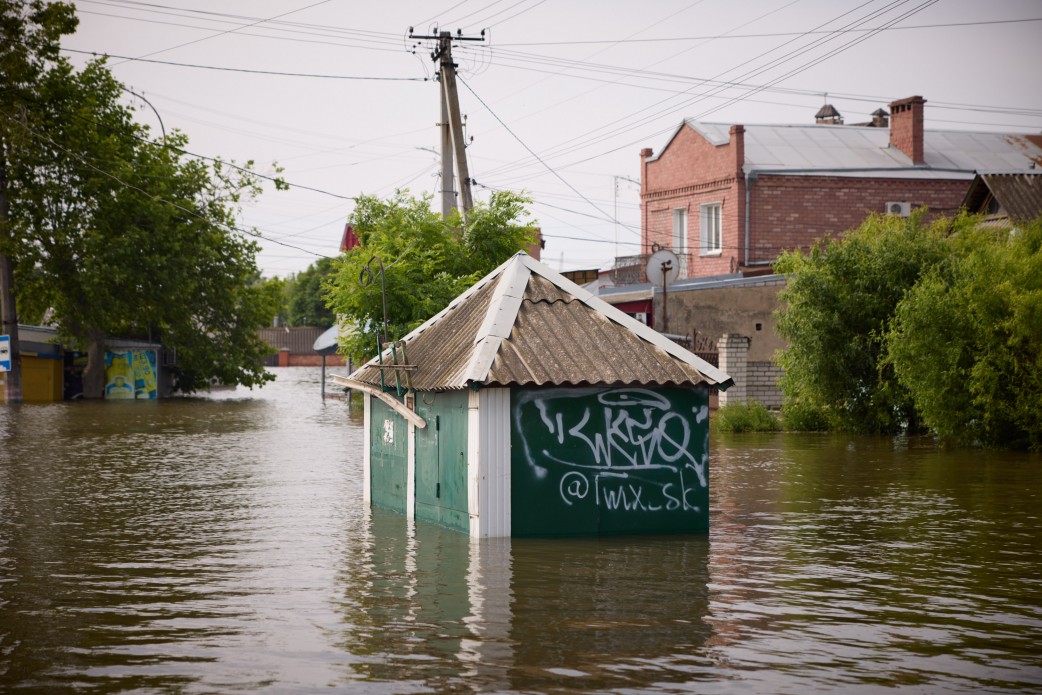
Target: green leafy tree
pixel 305 298
pixel 838 303
pixel 123 236
pixel 967 340
pixel 427 261
pixel 30 33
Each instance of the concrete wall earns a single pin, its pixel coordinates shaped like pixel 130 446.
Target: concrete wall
pixel 745 307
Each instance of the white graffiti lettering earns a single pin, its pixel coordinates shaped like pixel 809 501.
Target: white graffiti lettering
pixel 637 451
pixel 574 485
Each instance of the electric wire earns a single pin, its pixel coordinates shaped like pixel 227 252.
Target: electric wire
pixel 229 31
pixel 945 25
pixel 249 70
pixel 159 199
pixel 531 151
pixel 628 123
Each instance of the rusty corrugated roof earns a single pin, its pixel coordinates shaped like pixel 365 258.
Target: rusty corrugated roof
pixel 299 340
pixel 525 324
pixel 1019 194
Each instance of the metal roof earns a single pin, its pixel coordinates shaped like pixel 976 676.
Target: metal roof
pixel 839 150
pixel 299 340
pixel 525 324
pixel 1019 194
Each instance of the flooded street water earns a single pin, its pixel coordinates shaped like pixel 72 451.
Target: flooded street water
pixel 220 544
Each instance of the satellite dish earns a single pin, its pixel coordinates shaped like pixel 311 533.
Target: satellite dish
pixel 663 268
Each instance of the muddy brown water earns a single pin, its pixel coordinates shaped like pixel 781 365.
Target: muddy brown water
pixel 220 544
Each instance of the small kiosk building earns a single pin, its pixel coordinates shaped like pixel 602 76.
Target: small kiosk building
pixel 529 407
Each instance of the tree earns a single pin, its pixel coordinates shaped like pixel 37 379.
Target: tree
pixel 427 261
pixel 124 236
pixel 967 340
pixel 838 302
pixel 305 298
pixel 29 38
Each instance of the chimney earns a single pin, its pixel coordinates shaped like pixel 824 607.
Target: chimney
pixel 828 115
pixel 906 127
pixel 645 154
pixel 880 119
pixel 737 137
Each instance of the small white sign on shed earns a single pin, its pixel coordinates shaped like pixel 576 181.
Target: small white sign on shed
pixel 5 353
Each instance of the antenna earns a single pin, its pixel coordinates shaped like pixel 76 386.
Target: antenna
pixel 662 270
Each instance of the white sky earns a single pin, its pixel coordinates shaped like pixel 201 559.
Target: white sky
pixel 584 84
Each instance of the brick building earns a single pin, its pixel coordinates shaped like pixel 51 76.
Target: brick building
pixel 730 198
pixel 295 347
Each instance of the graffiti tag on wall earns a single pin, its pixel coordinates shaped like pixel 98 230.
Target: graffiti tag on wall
pixel 620 450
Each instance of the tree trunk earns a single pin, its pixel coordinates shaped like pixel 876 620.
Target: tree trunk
pixel 8 310
pixel 94 373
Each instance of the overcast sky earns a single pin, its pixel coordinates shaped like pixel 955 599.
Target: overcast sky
pixel 560 97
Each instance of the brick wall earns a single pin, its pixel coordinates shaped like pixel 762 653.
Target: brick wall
pixel 795 211
pixel 754 382
pixel 734 350
pixel 786 211
pixel 689 173
pixel 285 358
pixel 762 384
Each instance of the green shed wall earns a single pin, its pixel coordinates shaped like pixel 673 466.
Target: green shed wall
pixel 441 459
pixel 389 456
pixel 588 461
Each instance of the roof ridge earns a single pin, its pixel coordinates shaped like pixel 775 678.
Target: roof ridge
pixel 613 314
pixel 499 318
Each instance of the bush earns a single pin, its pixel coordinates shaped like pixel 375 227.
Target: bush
pixel 800 416
pixel 966 341
pixel 837 304
pixel 745 417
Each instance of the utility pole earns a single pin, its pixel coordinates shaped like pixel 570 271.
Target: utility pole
pixel 8 311
pixel 615 212
pixel 453 148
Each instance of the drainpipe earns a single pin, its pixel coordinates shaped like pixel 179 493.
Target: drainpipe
pixel 749 178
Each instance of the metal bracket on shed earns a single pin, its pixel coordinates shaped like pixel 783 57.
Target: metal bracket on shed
pixel 401 369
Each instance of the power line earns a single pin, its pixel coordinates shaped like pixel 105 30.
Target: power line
pixel 576 144
pixel 193 213
pixel 768 35
pixel 532 152
pixel 249 70
pixel 573 145
pixel 228 31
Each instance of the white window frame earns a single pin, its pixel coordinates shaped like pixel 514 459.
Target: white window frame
pixel 680 238
pixel 710 217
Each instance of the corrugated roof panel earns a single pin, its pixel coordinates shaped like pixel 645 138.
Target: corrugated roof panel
pixel 1019 194
pixel 442 351
pixel 559 334
pixel 566 342
pixel 299 340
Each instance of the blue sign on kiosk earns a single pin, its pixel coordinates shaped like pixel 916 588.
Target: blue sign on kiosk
pixel 5 353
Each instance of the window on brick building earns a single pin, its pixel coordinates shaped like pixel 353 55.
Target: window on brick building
pixel 679 230
pixel 711 240
pixel 680 238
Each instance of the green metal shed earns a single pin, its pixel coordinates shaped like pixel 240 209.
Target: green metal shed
pixel 529 407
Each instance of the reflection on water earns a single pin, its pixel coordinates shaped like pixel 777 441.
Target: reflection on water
pixel 220 544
